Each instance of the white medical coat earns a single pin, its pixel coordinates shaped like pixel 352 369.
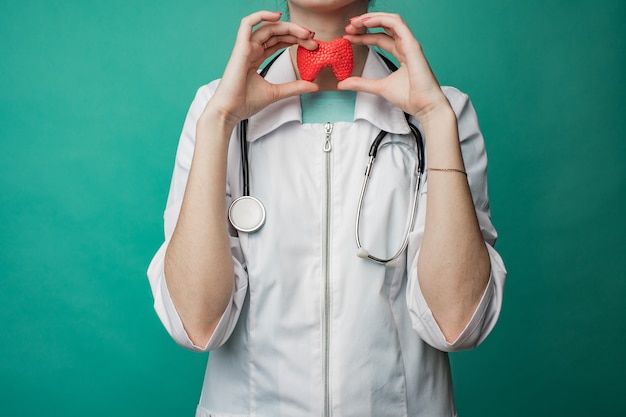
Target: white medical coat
pixel 309 323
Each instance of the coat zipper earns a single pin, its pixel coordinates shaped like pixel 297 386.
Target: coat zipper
pixel 328 129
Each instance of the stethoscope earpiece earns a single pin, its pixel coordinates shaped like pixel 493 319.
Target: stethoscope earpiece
pixel 392 263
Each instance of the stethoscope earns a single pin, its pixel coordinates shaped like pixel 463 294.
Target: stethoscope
pixel 247 214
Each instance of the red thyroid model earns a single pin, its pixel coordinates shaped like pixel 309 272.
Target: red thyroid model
pixel 336 54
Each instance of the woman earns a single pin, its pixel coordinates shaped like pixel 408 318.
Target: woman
pixel 297 323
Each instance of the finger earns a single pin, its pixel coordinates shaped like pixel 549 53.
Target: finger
pixel 405 47
pixel 266 31
pixel 246 29
pixel 249 22
pixel 288 33
pixel 393 24
pixel 288 40
pixel 382 40
pixel 271 50
pixel 360 84
pixel 370 15
pixel 293 88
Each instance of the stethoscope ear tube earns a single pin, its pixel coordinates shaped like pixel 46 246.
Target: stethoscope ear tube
pixel 361 251
pixel 243 144
pixel 419 140
pixel 392 261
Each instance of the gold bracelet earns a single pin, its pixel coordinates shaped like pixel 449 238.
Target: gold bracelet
pixel 447 170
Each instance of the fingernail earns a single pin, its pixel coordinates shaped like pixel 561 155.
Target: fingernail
pixel 365 19
pixel 353 18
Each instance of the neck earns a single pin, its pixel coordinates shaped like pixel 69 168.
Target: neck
pixel 328 23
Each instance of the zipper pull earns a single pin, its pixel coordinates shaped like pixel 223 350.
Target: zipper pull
pixel 328 128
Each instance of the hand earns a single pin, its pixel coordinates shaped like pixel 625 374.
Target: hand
pixel 413 87
pixel 242 92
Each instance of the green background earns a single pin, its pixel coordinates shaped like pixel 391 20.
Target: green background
pixel 93 96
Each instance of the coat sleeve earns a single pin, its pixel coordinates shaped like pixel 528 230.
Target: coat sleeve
pixel 488 310
pixel 163 303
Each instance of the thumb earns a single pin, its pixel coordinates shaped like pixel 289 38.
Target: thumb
pixel 294 88
pixel 359 84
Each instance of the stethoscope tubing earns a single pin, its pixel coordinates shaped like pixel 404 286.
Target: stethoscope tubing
pixel 362 252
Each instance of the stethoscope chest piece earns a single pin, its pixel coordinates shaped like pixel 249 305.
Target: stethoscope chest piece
pixel 246 214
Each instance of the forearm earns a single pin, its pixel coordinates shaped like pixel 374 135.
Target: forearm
pixel 453 265
pixel 198 263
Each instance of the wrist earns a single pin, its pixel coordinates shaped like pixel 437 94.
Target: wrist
pixel 215 118
pixel 440 127
pixel 437 116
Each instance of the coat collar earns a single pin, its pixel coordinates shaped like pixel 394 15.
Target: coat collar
pixel 368 107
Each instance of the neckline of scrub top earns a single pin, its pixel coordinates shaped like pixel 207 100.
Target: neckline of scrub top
pixel 328 106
